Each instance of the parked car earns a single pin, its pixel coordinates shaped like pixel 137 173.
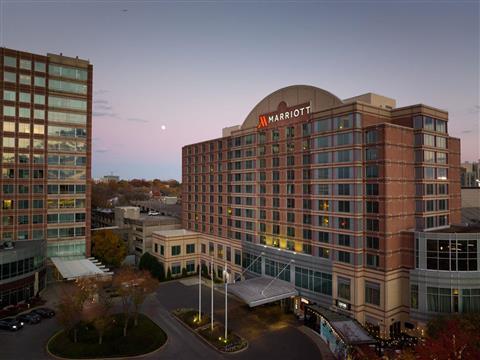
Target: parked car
pixel 29 318
pixel 11 324
pixel 153 213
pixel 44 312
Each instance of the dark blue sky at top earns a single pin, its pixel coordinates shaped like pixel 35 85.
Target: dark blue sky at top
pixel 167 74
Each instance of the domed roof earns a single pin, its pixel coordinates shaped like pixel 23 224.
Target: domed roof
pixel 292 95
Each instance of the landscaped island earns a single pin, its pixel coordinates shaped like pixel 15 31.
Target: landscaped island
pixel 215 338
pixel 142 339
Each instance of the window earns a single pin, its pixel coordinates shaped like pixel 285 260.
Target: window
pixel 372 293
pixel 343 288
pixel 324 252
pixel 373 225
pixel 371 189
pixel 372 207
pixel 371 171
pixel 372 242
pixel 414 296
pixel 323 236
pixel 176 250
pixel 190 248
pixel 373 260
pixel 344 240
pixel 344 206
pixel 343 189
pixel 371 136
pixel 344 256
pixel 439 299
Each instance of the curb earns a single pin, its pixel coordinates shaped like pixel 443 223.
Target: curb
pixel 205 340
pixel 110 358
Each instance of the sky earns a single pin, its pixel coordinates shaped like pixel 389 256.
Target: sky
pixel 168 74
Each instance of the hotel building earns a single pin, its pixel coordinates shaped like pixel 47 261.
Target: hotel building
pixel 46 111
pixel 350 200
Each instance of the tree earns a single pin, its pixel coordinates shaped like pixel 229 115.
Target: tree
pixel 99 311
pixel 150 263
pixel 108 247
pixel 133 287
pixel 452 342
pixel 144 286
pixel 69 311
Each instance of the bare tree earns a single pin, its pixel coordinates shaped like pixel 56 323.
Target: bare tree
pixel 99 312
pixel 133 287
pixel 144 286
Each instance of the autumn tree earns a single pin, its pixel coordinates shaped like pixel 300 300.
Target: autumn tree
pixel 108 247
pixel 72 302
pixel 99 310
pixel 453 341
pixel 133 287
pixel 144 286
pixel 69 310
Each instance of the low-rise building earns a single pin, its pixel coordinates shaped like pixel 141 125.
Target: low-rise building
pixel 180 248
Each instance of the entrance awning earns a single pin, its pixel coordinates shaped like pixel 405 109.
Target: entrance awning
pixel 74 269
pixel 262 290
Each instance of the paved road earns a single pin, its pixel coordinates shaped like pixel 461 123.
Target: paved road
pixel 270 333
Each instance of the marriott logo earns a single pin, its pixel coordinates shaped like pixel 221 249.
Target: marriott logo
pixel 292 113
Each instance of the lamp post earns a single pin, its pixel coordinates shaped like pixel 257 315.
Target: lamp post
pixel 211 317
pixel 200 294
pixel 226 306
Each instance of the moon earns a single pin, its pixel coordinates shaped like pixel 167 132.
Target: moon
pixel 163 127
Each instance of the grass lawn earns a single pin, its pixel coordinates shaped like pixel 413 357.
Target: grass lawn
pixel 142 339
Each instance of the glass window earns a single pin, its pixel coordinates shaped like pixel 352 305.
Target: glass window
pixel 25 79
pixel 39 81
pixel 10 61
pixel 9 95
pixel 9 77
pixel 343 288
pixel 372 293
pixel 8 110
pixel 25 64
pixel 40 66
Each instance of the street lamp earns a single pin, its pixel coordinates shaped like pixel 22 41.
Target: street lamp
pixel 211 273
pixel 226 276
pixel 200 294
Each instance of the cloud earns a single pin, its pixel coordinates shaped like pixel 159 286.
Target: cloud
pixel 101 150
pixel 137 120
pixel 474 109
pixel 100 92
pixel 104 114
pixel 100 101
pixel 467 131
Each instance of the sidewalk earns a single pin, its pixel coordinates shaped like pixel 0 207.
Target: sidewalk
pixel 322 346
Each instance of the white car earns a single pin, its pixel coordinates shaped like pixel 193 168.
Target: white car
pixel 153 213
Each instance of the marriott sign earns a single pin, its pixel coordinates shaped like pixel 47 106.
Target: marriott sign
pixel 294 112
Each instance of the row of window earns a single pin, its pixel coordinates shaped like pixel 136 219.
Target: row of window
pixel 65 232
pixel 447 300
pixel 24 97
pixel 17 268
pixel 22 204
pixel 23 64
pixel 36 234
pixel 23 79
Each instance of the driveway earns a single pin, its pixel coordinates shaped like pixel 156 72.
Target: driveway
pixel 270 333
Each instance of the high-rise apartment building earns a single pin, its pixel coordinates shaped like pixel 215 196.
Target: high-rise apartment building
pixel 343 196
pixel 46 108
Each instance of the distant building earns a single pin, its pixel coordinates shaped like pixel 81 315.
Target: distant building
pixel 134 227
pixel 471 206
pixel 108 178
pixel 470 174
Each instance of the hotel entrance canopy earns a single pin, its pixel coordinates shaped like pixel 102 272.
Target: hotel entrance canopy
pixel 78 268
pixel 262 290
